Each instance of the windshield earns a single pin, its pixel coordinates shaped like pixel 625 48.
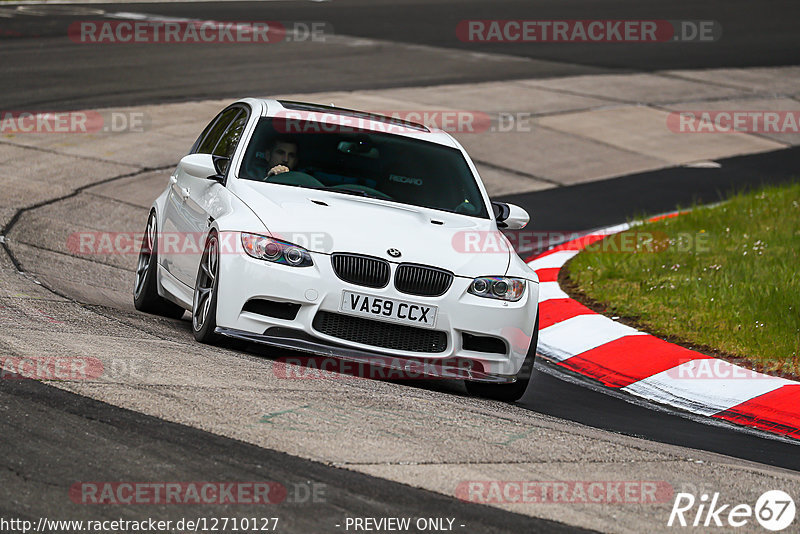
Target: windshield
pixel 378 165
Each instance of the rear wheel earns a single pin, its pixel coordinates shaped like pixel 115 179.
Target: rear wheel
pixel 145 290
pixel 514 391
pixel 204 304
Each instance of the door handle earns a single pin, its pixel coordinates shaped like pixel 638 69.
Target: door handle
pixel 184 192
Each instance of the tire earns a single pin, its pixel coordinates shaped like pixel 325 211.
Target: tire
pixel 514 391
pixel 145 290
pixel 204 303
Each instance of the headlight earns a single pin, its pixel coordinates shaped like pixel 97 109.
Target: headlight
pixel 498 287
pixel 269 249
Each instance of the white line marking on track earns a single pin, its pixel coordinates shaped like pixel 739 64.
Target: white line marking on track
pixel 554 259
pixel 683 387
pixel 579 334
pixel 551 290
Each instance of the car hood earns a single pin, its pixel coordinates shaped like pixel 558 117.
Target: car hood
pixel 327 222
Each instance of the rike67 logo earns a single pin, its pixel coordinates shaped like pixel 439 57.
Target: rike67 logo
pixel 774 510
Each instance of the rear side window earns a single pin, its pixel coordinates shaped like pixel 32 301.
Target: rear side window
pixel 216 129
pixel 196 145
pixel 229 140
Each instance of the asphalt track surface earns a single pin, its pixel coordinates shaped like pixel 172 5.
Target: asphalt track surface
pixel 44 70
pixel 74 75
pixel 608 202
pixel 140 447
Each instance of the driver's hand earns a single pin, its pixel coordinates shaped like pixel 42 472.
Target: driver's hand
pixel 277 169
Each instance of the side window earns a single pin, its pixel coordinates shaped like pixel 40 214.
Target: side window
pixel 230 139
pixel 203 135
pixel 216 130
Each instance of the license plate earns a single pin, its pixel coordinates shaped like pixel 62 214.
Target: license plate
pixel 398 311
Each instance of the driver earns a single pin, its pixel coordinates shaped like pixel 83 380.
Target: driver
pixel 281 157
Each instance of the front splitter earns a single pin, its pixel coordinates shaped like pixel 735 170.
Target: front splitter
pixel 446 368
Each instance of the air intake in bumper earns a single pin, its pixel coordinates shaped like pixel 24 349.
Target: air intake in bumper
pixel 270 308
pixel 379 333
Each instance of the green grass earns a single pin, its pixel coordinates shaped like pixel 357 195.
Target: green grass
pixel 725 277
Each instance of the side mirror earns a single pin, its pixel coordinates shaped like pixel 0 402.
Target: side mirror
pixel 205 166
pixel 510 216
pixel 221 166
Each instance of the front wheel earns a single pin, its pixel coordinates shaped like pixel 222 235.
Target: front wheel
pixel 145 290
pixel 204 303
pixel 514 391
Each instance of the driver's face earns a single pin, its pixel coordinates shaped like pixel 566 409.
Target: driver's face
pixel 283 154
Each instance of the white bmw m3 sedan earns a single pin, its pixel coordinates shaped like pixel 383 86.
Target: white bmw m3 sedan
pixel 341 233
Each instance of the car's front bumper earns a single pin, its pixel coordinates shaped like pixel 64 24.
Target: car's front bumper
pixel 317 288
pixel 407 367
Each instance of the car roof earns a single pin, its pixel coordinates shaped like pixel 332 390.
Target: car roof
pixel 350 118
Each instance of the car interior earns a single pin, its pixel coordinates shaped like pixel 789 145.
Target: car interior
pixel 373 164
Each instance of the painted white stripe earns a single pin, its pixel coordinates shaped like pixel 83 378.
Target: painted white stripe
pixel 613 229
pixel 579 334
pixel 706 386
pixel 550 290
pixel 554 259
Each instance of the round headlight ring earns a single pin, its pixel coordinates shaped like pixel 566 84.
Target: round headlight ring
pixel 480 286
pixel 500 288
pixel 293 255
pixel 272 250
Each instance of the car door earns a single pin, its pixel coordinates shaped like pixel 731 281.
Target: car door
pixel 191 199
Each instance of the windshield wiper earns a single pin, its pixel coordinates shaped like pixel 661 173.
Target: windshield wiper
pixel 349 191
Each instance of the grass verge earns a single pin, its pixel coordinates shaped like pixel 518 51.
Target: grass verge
pixel 725 278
